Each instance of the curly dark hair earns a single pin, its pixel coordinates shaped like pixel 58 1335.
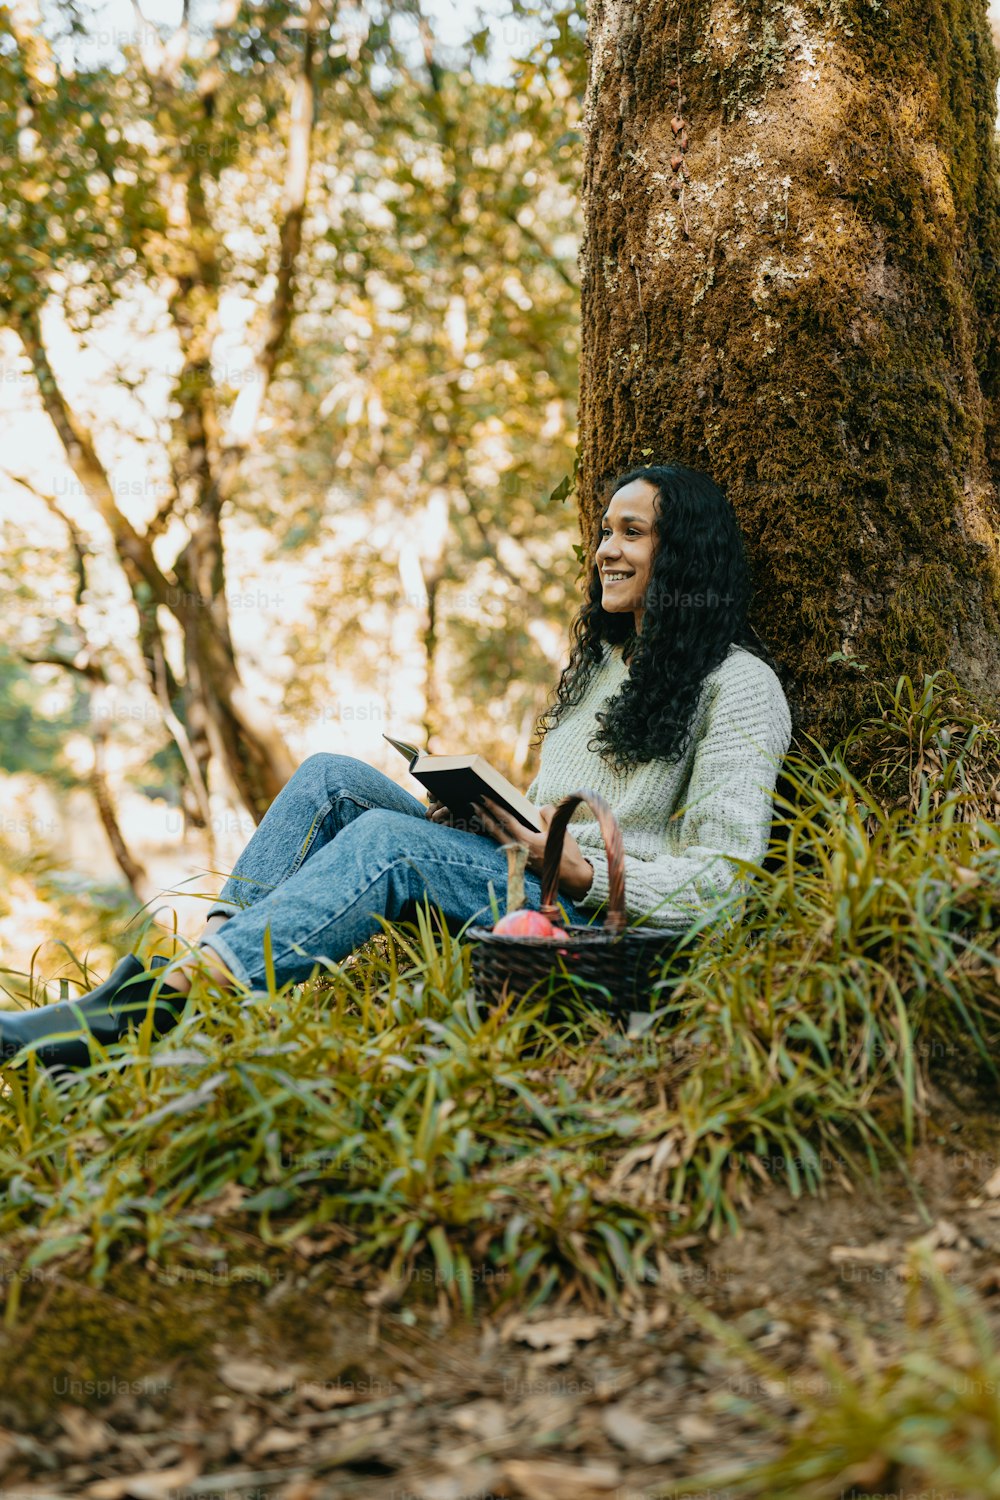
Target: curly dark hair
pixel 695 607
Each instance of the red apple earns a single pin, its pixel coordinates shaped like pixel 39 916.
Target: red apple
pixel 525 924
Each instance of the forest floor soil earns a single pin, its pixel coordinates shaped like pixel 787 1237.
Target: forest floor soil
pixel 263 1374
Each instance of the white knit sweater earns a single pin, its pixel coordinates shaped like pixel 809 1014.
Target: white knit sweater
pixel 678 821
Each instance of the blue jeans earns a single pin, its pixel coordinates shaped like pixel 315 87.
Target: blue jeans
pixel 340 845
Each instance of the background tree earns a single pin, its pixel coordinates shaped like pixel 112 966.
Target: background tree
pixel 792 280
pixel 69 647
pixel 113 178
pixel 401 502
pixel 434 394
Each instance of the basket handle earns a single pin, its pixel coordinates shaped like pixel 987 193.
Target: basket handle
pixel 615 921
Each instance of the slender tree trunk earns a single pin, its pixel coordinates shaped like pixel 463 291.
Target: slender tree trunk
pixel 792 281
pixel 433 714
pixel 258 761
pixel 87 664
pixel 132 868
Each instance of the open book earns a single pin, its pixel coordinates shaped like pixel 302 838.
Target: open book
pixel 459 780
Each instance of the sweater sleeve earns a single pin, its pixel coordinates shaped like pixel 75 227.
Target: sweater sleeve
pixel 727 810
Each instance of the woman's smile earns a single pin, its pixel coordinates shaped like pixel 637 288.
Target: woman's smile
pixel 625 554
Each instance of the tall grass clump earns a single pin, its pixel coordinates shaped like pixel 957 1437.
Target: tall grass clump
pixel 922 1419
pixel 931 741
pixel 386 1112
pixel 39 892
pixel 868 945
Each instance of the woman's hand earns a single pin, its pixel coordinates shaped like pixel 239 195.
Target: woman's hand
pixel 438 813
pixel 575 872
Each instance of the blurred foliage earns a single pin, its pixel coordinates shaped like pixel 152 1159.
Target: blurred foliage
pixel 423 403
pixel 30 740
pixel 87 917
pixel 437 366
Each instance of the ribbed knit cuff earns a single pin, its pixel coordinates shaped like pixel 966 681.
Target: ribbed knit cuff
pixel 599 886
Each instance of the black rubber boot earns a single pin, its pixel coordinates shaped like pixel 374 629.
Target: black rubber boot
pixel 60 1034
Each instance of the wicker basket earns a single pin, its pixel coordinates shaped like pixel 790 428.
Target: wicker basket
pixel 613 967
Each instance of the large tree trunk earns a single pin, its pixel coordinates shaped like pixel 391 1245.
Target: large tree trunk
pixel 792 281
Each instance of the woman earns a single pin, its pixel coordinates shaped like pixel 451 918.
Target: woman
pixel 669 706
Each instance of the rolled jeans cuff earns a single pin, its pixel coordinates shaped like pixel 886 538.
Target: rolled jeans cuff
pixel 223 909
pixel 233 962
pixel 236 965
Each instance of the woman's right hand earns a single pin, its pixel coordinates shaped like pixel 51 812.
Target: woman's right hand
pixel 438 813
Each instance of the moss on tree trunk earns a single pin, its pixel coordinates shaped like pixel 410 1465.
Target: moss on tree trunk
pixel 808 308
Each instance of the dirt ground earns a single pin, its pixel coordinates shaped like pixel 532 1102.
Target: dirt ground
pixel 263 1375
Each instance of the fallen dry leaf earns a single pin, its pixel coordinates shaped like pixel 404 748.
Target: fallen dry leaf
pixel 107 1489
pixel 945 1261
pixel 166 1484
pixel 558 1354
pixel 944 1236
pixel 159 1484
pixel 484 1419
pixel 542 1480
pixel 476 1479
pixel 301 1489
pixel 869 1472
pixel 278 1440
pixel 695 1429
pixel 242 1431
pixel 878 1254
pixel 555 1331
pixel 311 1246
pixel 251 1377
pixel 85 1435
pixel 991 1187
pixel 389 1291
pixel 639 1438
pixel 229 1201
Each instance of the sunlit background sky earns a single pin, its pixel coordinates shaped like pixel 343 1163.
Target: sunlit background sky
pixel 113 23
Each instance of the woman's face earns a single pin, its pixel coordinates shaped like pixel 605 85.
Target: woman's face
pixel 625 554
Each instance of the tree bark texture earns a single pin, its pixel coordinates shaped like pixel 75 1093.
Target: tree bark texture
pixel 791 280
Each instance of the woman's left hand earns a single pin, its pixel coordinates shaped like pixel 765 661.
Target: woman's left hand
pixel 575 872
